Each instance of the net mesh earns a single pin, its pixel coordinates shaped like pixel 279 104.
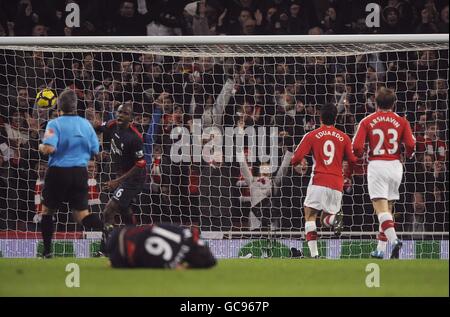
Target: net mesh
pixel 249 50
pixel 272 91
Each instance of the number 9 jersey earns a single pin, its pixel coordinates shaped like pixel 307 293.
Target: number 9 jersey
pixel 328 146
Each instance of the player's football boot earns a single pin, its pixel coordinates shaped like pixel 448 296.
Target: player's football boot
pixel 398 244
pixel 296 253
pixel 338 223
pixel 48 255
pixel 105 235
pixel 377 254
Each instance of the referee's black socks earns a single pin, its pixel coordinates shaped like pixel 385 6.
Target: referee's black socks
pixel 47 233
pixel 92 221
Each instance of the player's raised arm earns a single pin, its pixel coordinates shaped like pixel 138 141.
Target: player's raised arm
pixel 409 140
pixel 359 139
pixel 302 150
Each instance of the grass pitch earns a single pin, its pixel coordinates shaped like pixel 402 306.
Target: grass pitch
pixel 233 277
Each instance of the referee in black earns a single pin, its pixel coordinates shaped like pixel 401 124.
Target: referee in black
pixel 70 141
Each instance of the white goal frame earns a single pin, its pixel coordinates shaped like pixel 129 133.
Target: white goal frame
pixel 34 42
pixel 210 40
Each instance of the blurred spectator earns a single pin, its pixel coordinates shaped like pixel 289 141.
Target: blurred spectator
pixel 35 71
pixel 392 23
pixel 427 22
pixel 443 23
pixel 163 17
pixel 438 94
pixel 212 17
pixel 215 194
pixel 39 30
pixel 127 21
pixel 332 23
pixel 41 169
pixel 431 144
pixel 200 18
pixel 439 171
pixel 23 101
pixel 298 20
pixel 94 189
pixel 417 220
pixel 360 27
pixel 155 170
pixel 26 18
pixel 315 31
pixel 17 135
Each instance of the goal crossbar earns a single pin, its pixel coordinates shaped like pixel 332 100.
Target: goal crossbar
pixel 213 40
pixel 234 46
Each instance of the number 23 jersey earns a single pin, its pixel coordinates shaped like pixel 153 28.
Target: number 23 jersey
pixel 384 131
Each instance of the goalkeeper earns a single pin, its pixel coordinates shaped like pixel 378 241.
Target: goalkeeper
pixel 158 246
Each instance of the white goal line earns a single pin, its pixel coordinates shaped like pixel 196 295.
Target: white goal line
pixel 224 234
pixel 217 235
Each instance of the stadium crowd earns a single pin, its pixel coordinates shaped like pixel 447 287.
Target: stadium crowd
pixel 169 92
pixel 220 17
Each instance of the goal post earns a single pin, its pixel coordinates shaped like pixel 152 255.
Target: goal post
pixel 218 113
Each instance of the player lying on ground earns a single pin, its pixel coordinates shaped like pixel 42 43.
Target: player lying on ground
pixel 158 246
pixel 385 131
pixel 128 164
pixel 328 146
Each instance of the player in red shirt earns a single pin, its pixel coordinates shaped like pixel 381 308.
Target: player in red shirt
pixel 328 146
pixel 384 130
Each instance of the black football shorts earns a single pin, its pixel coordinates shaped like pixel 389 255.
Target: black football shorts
pixel 126 193
pixel 66 184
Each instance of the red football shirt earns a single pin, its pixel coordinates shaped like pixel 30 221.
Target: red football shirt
pixel 385 131
pixel 328 146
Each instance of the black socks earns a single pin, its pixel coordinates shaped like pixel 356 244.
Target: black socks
pixel 47 230
pixel 92 221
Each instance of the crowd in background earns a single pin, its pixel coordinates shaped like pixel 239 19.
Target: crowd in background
pixel 168 92
pixel 220 17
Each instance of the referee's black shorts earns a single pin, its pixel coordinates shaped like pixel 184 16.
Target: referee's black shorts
pixel 66 184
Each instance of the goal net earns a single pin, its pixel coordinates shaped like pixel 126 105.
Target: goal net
pixel 219 117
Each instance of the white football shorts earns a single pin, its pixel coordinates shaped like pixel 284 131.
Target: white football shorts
pixel 384 179
pixel 323 198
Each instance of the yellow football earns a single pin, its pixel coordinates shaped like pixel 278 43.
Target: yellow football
pixel 46 98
